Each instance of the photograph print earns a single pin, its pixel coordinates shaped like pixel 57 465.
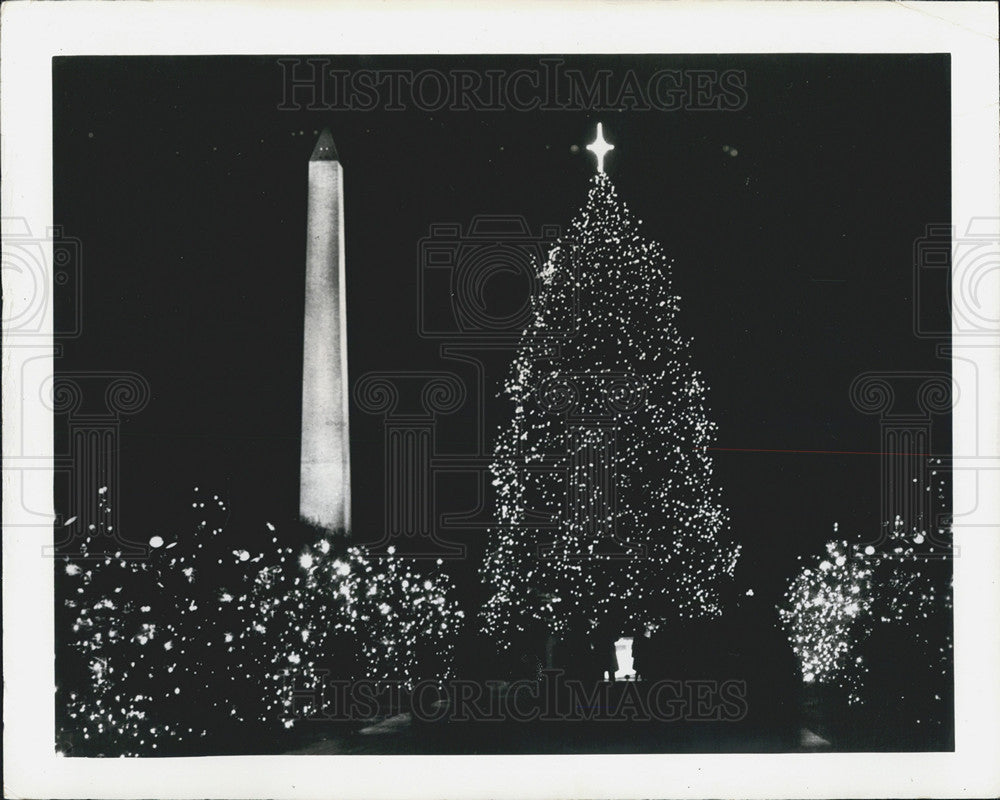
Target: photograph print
pixel 502 404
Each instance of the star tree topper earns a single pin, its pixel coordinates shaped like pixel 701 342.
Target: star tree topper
pixel 600 147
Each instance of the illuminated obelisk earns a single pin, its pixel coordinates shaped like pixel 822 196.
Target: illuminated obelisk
pixel 325 477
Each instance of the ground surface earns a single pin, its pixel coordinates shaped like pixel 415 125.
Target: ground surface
pixel 400 735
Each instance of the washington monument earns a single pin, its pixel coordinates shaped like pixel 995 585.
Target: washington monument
pixel 325 477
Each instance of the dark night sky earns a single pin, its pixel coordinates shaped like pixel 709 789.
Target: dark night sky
pixel 186 185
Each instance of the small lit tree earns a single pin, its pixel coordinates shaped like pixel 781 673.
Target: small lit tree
pixel 874 621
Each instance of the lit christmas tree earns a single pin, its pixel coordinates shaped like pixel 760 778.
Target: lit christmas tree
pixel 148 665
pixel 608 516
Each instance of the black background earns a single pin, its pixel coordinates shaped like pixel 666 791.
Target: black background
pixel 186 186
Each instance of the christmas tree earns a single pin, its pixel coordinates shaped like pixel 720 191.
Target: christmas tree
pixel 607 515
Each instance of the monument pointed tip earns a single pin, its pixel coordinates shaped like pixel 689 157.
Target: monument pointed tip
pixel 325 149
